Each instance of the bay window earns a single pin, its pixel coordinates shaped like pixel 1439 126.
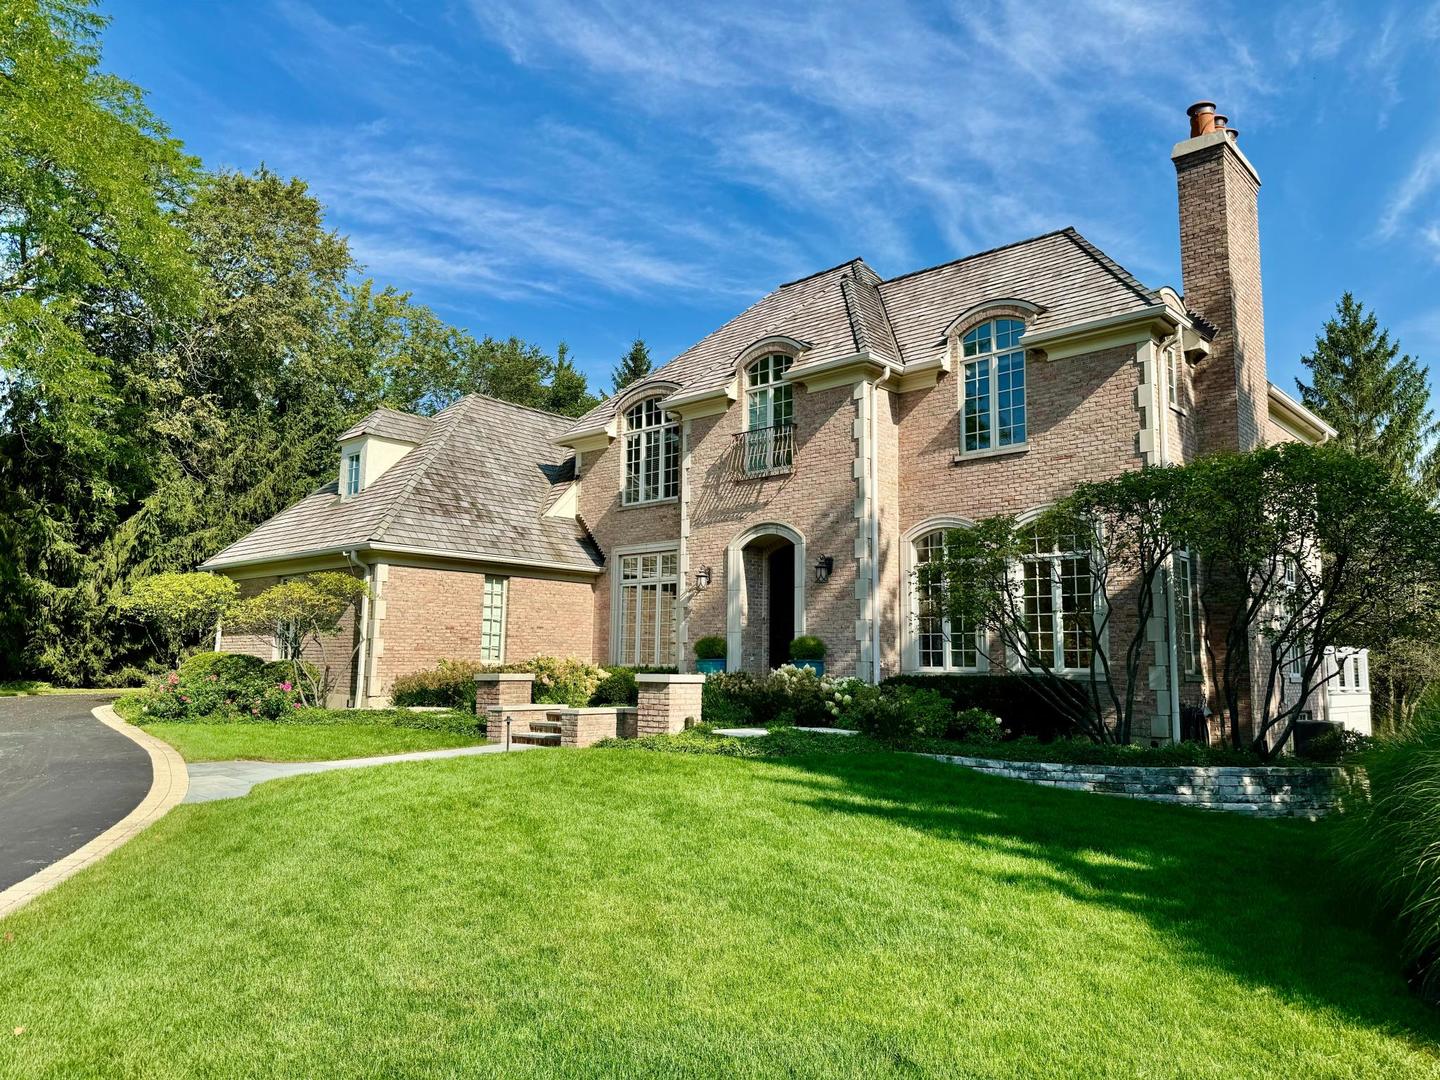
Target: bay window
pixel 993 413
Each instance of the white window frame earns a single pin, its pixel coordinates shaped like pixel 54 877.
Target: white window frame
pixel 980 353
pixel 354 473
pixel 495 593
pixel 650 430
pixel 948 644
pixel 1187 612
pixel 769 406
pixel 666 555
pixel 1054 558
pixel 1173 369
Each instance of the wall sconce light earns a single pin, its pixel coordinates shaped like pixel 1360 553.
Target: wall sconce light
pixel 824 566
pixel 702 578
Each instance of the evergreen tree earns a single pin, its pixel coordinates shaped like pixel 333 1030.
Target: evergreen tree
pixel 568 393
pixel 1374 397
pixel 633 366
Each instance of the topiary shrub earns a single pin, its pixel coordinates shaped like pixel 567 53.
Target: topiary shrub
pixel 712 647
pixel 807 647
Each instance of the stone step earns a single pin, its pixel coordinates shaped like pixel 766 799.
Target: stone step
pixel 547 726
pixel 540 738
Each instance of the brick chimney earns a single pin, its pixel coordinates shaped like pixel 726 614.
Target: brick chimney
pixel 1220 268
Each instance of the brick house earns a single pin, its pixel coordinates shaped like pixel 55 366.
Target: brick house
pixel 786 473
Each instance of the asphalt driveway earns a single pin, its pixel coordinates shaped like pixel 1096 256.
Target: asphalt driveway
pixel 64 779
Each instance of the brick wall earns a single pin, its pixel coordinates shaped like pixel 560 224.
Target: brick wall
pixel 250 644
pixel 550 617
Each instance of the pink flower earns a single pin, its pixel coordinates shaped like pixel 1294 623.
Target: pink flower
pixel 286 687
pixel 184 699
pixel 173 677
pixel 295 704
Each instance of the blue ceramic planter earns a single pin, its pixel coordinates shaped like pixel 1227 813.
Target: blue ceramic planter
pixel 817 666
pixel 710 667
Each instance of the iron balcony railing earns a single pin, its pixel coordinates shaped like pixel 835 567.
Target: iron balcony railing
pixel 765 451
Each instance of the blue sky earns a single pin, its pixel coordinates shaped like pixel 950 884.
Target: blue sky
pixel 594 171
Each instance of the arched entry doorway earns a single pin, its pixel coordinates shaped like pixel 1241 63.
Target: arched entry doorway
pixel 765 596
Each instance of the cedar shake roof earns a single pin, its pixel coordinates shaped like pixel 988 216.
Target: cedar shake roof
pixel 475 486
pixel 390 424
pixel 850 308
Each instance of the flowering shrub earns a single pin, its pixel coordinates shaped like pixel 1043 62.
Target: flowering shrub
pixel 201 692
pixel 976 726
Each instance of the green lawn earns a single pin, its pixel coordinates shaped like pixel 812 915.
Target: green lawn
pixel 300 742
pixel 610 913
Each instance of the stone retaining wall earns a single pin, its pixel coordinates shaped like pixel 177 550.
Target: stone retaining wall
pixel 1275 791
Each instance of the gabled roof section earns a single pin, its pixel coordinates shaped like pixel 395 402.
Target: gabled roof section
pixel 1060 272
pixel 390 424
pixel 475 487
pixel 849 309
pixel 813 309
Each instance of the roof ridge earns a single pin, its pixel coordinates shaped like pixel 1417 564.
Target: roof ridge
pixel 431 452
pixel 978 254
pixel 857 332
pixel 1129 280
pixel 818 273
pixel 517 405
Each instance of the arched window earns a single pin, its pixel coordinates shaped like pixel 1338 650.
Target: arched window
pixel 993 414
pixel 1059 599
pixel 769 442
pixel 652 454
pixel 941 645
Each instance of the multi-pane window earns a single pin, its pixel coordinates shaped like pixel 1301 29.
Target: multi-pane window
pixel 993 415
pixel 768 439
pixel 648 586
pixel 492 620
pixel 652 454
pixel 1172 375
pixel 1058 595
pixel 1187 611
pixel 352 474
pixel 943 645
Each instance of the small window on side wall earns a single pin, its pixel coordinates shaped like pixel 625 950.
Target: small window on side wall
pixel 993 413
pixel 352 474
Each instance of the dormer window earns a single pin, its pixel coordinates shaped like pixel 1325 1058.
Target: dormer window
pixel 352 474
pixel 993 412
pixel 652 454
pixel 769 440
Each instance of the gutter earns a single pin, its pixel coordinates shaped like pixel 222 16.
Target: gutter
pixel 1154 311
pixel 398 549
pixel 1299 412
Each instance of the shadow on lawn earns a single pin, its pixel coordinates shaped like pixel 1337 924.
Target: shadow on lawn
pixel 1257 900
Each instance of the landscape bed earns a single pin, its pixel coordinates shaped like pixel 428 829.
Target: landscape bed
pixel 867 913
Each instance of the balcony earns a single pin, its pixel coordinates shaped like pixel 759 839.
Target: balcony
pixel 767 451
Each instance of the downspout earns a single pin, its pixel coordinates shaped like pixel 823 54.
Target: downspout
pixel 360 655
pixel 1172 635
pixel 874 534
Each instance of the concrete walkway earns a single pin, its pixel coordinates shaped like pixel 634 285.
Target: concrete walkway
pixel 212 780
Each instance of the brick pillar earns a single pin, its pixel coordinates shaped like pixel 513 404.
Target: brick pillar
pixel 668 703
pixel 502 688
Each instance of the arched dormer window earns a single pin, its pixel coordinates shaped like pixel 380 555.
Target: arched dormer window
pixel 992 413
pixel 652 454
pixel 769 442
pixel 940 644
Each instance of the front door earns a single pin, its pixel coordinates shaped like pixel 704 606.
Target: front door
pixel 780 576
